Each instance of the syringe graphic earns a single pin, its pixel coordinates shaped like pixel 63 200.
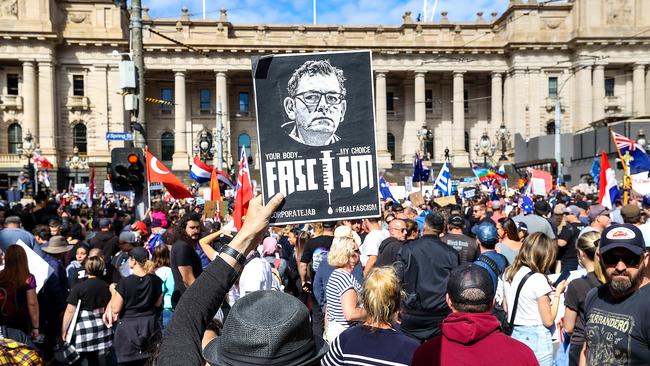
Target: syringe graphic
pixel 328 176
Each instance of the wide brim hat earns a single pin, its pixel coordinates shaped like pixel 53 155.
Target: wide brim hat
pixel 57 245
pixel 269 328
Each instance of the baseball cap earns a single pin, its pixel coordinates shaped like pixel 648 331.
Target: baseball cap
pixel 559 209
pixel 597 210
pixel 104 222
pixel 486 233
pixel 269 245
pixel 494 263
pixel 456 220
pixel 329 224
pixel 141 226
pixel 526 205
pixel 626 236
pixel 398 208
pixel 470 277
pixel 572 210
pixel 631 213
pixel 584 205
pixel 127 237
pixel 139 254
pixel 496 205
pixel 521 226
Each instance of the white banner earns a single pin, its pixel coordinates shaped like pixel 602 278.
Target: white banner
pixel 641 183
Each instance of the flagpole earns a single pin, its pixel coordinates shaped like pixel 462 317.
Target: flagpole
pixel 146 148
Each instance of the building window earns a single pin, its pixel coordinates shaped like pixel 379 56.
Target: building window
pixel 15 134
pixel 609 87
pixel 167 146
pixel 205 102
pixel 391 145
pixel 428 99
pixel 78 85
pixel 550 128
pixel 390 105
pixel 466 142
pixel 12 84
pixel 552 87
pixel 243 103
pixel 166 94
pixel 244 140
pixel 466 100
pixel 80 138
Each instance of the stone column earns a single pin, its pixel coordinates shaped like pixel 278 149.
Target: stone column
pixel 30 103
pixel 507 102
pixel 583 96
pixel 519 99
pixel 382 120
pixel 534 98
pixel 638 85
pixel 599 92
pixel 98 145
pixel 496 115
pixel 180 157
pixel 458 138
pixel 47 129
pixel 420 106
pixel 222 100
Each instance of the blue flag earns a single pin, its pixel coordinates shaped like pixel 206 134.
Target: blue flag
pixel 420 174
pixel 640 161
pixel 595 171
pixel 384 189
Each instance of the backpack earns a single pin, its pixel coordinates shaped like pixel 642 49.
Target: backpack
pixel 18 354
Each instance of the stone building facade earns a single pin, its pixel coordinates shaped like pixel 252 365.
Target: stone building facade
pixel 60 82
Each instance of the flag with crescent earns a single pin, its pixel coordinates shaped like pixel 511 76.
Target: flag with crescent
pixel 157 172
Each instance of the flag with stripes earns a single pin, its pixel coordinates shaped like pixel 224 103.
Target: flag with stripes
pixel 640 161
pixel 443 181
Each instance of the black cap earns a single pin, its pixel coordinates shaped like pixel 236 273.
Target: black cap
pixel 457 221
pixel 542 207
pixel 626 236
pixel 583 205
pixel 470 277
pixel 139 254
pixel 329 224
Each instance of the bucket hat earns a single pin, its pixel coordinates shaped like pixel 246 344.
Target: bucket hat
pixel 57 245
pixel 269 328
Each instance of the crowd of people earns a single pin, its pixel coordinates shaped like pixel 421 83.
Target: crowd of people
pixel 501 279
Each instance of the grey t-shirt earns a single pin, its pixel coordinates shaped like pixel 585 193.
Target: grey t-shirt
pixel 536 224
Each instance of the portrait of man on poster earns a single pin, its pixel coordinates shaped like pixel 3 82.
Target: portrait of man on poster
pixel 315 104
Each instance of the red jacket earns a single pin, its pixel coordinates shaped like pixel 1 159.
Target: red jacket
pixel 473 339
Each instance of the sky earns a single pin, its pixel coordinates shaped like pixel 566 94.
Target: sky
pixel 336 12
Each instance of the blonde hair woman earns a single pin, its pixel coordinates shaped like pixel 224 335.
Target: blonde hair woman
pixel 536 311
pixel 381 296
pixel 576 292
pixel 342 292
pixel 134 301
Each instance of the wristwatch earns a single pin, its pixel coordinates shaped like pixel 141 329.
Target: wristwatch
pixel 236 255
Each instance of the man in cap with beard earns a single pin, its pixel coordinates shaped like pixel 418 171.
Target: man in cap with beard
pixel 618 313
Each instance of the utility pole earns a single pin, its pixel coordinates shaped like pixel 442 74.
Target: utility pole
pixel 138 59
pixel 219 139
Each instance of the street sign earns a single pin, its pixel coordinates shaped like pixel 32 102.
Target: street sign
pixel 119 136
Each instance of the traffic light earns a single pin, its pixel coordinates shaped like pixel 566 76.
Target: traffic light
pixel 127 169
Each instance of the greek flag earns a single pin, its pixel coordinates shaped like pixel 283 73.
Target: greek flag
pixel 443 182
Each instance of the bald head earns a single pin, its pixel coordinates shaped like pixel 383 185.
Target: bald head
pixel 397 229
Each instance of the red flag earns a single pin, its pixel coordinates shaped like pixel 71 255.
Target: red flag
pixel 244 190
pixel 157 172
pixel 215 192
pixel 91 190
pixel 43 162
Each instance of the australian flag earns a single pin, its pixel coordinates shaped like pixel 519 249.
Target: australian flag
pixel 640 161
pixel 419 173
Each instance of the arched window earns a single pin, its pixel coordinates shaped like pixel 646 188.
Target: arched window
pixel 391 145
pixel 243 140
pixel 80 138
pixel 466 141
pixel 167 146
pixel 15 134
pixel 550 128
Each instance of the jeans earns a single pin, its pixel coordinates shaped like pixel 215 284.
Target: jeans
pixel 538 339
pixel 166 317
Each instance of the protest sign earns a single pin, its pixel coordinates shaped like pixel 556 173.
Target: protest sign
pixel 469 192
pixel 316 128
pixel 416 199
pixel 408 183
pixel 445 201
pixel 210 209
pixel 38 267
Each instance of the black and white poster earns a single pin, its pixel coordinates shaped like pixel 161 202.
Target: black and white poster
pixel 316 128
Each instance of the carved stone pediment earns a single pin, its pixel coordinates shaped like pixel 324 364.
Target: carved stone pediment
pixel 8 9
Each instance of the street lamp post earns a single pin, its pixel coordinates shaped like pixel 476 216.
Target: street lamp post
pixel 205 146
pixel 76 162
pixel 503 135
pixel 28 150
pixel 484 147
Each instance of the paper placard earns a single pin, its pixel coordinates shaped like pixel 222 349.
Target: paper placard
pixel 209 209
pixel 408 183
pixel 416 199
pixel 445 201
pixel 37 266
pixel 538 186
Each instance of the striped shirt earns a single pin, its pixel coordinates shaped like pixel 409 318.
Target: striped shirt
pixel 366 346
pixel 339 282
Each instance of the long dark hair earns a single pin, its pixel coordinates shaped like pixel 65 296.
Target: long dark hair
pixel 510 228
pixel 16 269
pixel 180 233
